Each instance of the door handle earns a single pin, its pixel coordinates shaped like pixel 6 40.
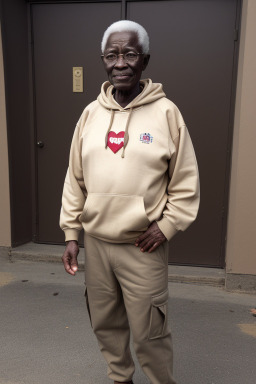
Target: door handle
pixel 40 144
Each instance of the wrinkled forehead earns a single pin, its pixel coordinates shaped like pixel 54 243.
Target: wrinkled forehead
pixel 123 39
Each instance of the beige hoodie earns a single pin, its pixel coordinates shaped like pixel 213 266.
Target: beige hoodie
pixel 129 167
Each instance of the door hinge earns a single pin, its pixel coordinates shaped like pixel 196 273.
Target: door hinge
pixel 236 34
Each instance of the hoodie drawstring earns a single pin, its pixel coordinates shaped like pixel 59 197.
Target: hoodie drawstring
pixel 126 134
pixel 109 127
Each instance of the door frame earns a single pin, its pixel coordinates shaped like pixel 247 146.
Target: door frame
pixel 30 207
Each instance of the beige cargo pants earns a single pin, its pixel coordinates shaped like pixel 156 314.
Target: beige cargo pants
pixel 127 289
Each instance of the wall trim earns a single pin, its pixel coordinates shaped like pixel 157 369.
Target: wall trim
pixel 241 283
pixel 5 253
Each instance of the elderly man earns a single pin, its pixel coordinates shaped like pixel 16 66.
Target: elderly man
pixel 132 183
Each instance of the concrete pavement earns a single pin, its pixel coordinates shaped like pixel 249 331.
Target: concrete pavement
pixel 45 335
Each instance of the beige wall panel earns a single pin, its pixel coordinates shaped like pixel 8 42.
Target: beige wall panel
pixel 241 239
pixel 5 222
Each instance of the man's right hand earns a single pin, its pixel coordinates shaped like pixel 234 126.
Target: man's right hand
pixel 69 257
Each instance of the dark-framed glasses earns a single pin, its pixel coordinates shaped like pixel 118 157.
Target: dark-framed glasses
pixel 129 57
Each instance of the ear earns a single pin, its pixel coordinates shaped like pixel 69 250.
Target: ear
pixel 145 62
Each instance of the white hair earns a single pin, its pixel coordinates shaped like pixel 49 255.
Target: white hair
pixel 127 25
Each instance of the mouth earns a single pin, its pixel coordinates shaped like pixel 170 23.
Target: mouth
pixel 122 76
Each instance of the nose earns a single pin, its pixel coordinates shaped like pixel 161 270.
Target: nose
pixel 120 63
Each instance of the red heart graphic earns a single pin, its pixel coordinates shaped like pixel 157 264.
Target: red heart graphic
pixel 115 140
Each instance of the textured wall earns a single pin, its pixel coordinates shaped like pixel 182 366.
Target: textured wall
pixel 241 239
pixel 5 230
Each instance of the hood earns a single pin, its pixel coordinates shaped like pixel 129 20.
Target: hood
pixel 151 92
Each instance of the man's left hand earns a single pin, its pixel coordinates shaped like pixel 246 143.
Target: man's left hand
pixel 151 239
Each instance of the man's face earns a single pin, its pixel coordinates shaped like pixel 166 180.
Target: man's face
pixel 124 76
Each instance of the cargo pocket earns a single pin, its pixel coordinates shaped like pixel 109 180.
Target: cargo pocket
pixel 87 305
pixel 158 316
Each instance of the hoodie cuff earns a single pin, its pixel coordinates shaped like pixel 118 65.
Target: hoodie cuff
pixel 167 228
pixel 71 234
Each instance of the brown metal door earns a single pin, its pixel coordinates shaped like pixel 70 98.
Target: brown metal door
pixel 65 36
pixel 192 46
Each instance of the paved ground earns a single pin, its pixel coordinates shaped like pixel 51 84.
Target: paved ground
pixel 45 336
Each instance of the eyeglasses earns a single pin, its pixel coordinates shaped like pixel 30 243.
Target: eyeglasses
pixel 129 57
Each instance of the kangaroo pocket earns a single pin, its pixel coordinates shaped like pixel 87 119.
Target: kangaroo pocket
pixel 112 217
